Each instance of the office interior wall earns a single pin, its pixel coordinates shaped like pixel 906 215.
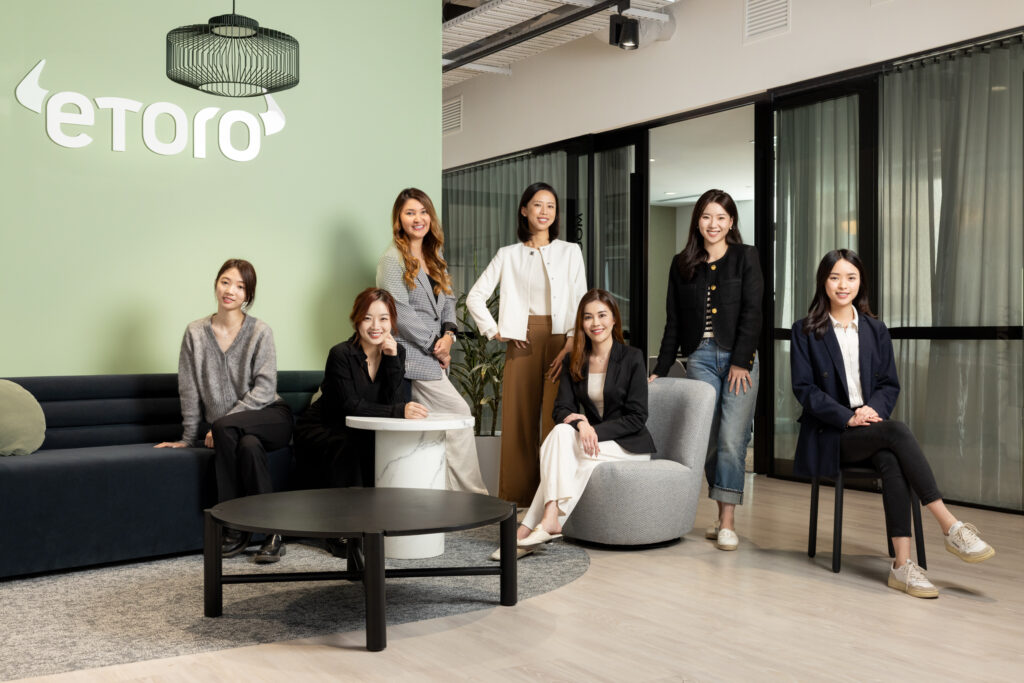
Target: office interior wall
pixel 107 255
pixel 588 86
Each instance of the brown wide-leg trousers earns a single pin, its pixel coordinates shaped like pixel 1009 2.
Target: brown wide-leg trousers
pixel 528 399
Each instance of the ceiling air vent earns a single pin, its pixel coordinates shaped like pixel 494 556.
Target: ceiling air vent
pixel 765 18
pixel 451 116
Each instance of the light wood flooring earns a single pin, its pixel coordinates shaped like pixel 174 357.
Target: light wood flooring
pixel 691 612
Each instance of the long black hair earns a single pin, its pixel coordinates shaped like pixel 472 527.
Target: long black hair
pixel 817 321
pixel 522 226
pixel 694 253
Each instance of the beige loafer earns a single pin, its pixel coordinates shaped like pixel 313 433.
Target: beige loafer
pixel 727 540
pixel 520 553
pixel 537 537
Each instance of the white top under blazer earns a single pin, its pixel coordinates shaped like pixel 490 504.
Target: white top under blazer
pixel 567 282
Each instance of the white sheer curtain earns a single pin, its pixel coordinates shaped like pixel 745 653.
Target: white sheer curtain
pixel 613 169
pixel 951 238
pixel 816 196
pixel 817 191
pixel 479 207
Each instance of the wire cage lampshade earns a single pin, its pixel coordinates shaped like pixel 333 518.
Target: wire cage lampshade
pixel 232 56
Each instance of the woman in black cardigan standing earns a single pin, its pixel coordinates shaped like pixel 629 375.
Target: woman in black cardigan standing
pixel 713 317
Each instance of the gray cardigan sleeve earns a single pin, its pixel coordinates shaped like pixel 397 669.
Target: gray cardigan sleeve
pixel 188 391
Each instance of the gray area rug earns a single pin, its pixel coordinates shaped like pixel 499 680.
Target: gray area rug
pixel 151 610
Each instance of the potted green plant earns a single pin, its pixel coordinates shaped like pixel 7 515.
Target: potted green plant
pixel 477 369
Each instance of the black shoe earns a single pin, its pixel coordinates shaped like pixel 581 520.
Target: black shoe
pixel 271 551
pixel 337 547
pixel 234 542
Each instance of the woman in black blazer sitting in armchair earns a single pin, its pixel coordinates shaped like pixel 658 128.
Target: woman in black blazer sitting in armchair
pixel 600 415
pixel 844 376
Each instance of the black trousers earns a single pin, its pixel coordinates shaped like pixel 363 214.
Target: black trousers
pixel 891 448
pixel 240 445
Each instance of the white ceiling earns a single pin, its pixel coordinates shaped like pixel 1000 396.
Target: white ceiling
pixel 695 155
pixel 494 17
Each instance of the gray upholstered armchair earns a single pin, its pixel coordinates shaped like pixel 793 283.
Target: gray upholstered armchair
pixel 637 503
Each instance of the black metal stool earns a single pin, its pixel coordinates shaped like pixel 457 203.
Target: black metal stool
pixel 837 530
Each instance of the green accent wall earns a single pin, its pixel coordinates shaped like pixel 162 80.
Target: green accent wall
pixel 107 256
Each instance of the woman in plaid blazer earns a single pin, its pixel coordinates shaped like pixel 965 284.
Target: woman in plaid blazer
pixel 414 272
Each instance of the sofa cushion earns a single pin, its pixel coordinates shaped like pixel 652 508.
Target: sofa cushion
pixel 22 424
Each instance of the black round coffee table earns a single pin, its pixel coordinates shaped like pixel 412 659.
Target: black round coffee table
pixel 365 516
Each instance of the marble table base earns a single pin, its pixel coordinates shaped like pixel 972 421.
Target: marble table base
pixel 411 460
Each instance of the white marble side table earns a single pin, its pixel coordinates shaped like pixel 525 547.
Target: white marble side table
pixel 411 454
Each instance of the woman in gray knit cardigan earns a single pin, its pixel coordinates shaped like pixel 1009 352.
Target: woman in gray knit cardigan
pixel 227 381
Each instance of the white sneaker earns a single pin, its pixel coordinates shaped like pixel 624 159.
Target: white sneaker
pixel 911 580
pixel 964 542
pixel 727 539
pixel 712 531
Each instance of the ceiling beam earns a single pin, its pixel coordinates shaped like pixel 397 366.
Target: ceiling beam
pixel 497 43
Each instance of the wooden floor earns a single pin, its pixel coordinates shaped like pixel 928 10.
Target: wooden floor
pixel 691 612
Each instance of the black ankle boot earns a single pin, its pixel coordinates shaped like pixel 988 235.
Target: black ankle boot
pixel 234 542
pixel 337 547
pixel 271 551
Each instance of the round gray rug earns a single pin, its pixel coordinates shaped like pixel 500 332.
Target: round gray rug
pixel 151 610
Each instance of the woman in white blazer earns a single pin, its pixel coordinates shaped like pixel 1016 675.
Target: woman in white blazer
pixel 542 280
pixel 415 273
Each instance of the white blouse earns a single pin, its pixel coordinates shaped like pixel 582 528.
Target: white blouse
pixel 595 390
pixel 849 346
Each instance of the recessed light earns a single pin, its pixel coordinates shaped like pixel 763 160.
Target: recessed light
pixel 669 194
pixel 998 88
pixel 652 160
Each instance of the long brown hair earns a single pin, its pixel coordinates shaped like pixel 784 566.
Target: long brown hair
pixel 817 322
pixel 581 345
pixel 694 253
pixel 433 241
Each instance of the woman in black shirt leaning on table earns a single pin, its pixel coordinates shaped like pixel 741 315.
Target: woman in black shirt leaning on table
pixel 363 377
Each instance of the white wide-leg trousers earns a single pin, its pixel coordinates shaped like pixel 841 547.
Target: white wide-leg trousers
pixel 565 470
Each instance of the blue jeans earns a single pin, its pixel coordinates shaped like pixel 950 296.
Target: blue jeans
pixel 734 414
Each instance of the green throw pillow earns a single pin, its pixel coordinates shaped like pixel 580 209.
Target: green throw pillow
pixel 22 425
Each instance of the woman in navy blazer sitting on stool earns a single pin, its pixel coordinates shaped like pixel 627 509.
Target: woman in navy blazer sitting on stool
pixel 415 273
pixel 601 416
pixel 844 376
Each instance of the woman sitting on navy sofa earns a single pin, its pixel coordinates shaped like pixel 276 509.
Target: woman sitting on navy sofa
pixel 227 378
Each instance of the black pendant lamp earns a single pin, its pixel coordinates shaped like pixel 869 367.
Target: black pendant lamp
pixel 232 56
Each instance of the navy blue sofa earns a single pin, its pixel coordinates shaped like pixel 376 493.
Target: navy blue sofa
pixel 97 491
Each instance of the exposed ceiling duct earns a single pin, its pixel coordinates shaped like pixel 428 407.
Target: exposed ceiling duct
pixel 489 37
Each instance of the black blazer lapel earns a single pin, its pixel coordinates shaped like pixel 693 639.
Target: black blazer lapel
pixel 613 376
pixel 866 344
pixel 832 344
pixel 582 395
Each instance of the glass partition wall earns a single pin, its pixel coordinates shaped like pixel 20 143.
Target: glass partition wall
pixel 917 166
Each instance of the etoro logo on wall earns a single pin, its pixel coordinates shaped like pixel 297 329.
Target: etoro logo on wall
pixel 32 96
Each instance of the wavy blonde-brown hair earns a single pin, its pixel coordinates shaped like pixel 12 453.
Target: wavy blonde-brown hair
pixel 581 345
pixel 433 241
